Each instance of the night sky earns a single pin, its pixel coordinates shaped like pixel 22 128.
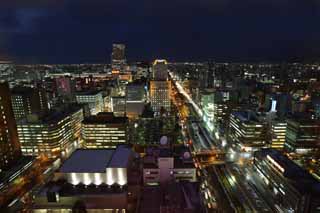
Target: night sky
pixel 79 31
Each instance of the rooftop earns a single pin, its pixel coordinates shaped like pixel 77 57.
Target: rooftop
pixel 53 116
pixel 88 92
pixel 246 116
pixel 96 160
pixel 301 179
pixel 105 117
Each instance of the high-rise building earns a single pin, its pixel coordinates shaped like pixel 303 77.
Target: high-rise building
pixel 104 131
pixel 9 143
pixel 118 58
pixel 160 70
pixel 247 131
pixel 53 134
pixel 302 136
pixel 160 87
pixel 27 100
pixel 135 99
pixel 93 100
pixel 160 95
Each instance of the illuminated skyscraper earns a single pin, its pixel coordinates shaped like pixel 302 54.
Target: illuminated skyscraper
pixel 118 58
pixel 160 70
pixel 160 95
pixel 160 87
pixel 9 143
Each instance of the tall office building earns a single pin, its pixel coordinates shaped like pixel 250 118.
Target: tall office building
pixel 135 100
pixel 118 58
pixel 54 134
pixel 160 87
pixel 9 143
pixel 247 131
pixel 160 95
pixel 27 100
pixel 302 136
pixel 104 131
pixel 160 70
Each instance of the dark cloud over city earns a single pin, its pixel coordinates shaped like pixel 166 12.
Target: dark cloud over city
pixel 75 31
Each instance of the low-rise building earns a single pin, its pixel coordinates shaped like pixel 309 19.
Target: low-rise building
pixel 161 166
pixel 93 180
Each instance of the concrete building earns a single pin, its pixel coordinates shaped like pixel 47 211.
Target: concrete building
pixel 118 58
pixel 160 92
pixel 93 101
pixel 118 105
pixel 302 136
pixel 247 131
pixel 278 134
pixel 27 101
pixel 135 100
pixel 104 131
pixel 54 134
pixel 160 87
pixel 94 180
pixel 161 166
pixel 160 70
pixel 292 188
pixel 9 143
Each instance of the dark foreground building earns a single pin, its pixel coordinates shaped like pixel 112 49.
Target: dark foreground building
pixel 294 189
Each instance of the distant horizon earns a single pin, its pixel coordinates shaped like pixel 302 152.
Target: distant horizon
pixel 306 61
pixel 81 31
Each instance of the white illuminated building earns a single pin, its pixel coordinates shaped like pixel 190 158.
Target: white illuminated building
pixel 97 166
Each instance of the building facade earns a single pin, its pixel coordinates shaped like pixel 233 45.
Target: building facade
pixel 9 142
pixel 246 131
pixel 278 134
pixel 160 92
pixel 93 101
pixel 302 136
pixel 27 101
pixel 54 134
pixel 104 131
pixel 118 58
